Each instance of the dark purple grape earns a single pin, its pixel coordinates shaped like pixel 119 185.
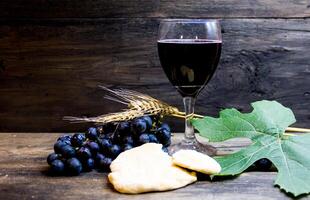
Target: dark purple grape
pixel 105 144
pixel 51 157
pixel 78 139
pixel 66 139
pixel 92 133
pixel 93 146
pixel 84 153
pixel 153 138
pixel 98 157
pixel 124 127
pixel 73 166
pixel 144 138
pixel 67 151
pixel 104 164
pixel 165 126
pixel 164 136
pixel 148 121
pixel 263 164
pixel 128 140
pixel 115 150
pixel 127 147
pixel 58 146
pixel 88 165
pixel 138 126
pixel 57 167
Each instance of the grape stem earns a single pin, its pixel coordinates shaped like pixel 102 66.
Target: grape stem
pixel 289 129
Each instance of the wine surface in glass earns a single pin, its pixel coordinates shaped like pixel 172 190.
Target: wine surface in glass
pixel 189 63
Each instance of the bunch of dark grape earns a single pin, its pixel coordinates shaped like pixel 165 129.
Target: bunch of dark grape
pixel 99 146
pixel 263 164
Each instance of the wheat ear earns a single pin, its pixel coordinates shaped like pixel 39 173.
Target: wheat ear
pixel 138 105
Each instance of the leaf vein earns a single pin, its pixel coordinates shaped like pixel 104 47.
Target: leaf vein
pixel 286 163
pixel 251 155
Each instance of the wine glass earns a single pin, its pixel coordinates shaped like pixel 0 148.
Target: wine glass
pixel 189 51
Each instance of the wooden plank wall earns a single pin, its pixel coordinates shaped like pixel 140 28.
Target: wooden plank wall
pixel 53 54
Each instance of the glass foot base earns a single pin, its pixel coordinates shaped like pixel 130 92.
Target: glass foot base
pixel 193 145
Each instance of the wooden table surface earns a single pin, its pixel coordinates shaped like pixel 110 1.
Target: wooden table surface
pixel 23 176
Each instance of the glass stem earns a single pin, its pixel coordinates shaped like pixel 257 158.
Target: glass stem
pixel 189 104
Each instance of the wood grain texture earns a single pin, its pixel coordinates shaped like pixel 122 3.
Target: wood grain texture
pixel 154 8
pixel 51 68
pixel 23 176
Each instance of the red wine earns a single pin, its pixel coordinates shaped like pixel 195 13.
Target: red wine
pixel 189 64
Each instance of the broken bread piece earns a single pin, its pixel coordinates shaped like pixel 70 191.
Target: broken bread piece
pixel 147 168
pixel 196 161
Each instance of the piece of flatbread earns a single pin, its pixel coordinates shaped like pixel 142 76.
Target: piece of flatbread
pixel 147 168
pixel 196 161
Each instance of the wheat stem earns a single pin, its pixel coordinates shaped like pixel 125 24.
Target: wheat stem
pixel 182 115
pixel 289 129
pixel 179 116
pixel 294 129
pixel 289 134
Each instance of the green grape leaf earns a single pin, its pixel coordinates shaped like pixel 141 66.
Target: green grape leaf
pixel 265 126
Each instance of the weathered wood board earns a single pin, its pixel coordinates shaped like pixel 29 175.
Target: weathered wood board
pixel 23 176
pixel 51 68
pixel 154 8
